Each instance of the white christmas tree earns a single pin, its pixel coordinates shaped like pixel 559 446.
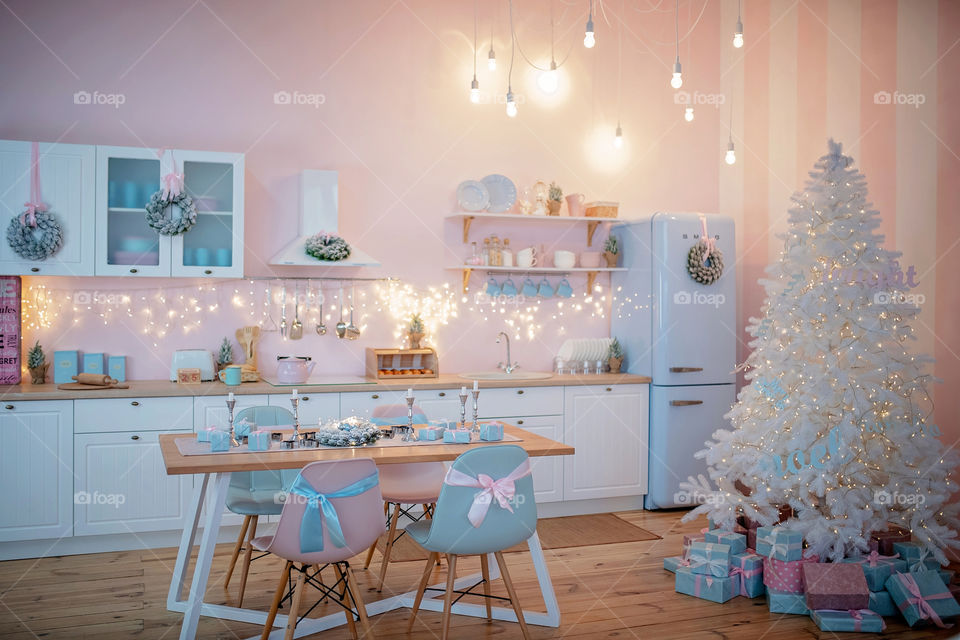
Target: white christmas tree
pixel 837 419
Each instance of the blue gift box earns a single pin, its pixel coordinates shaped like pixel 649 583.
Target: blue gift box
pixel 779 543
pixel 710 559
pixel 748 567
pixel 736 541
pixel 258 440
pixel 946 575
pixel 932 590
pixel 243 428
pixel 456 436
pixel 701 586
pixel 882 603
pixel 93 363
pixel 430 433
pixel 672 563
pixel 780 602
pixel 444 424
pixel 491 431
pixel 66 364
pixel 219 440
pixel 861 620
pixel 927 564
pixel 877 569
pixel 203 435
pixel 117 368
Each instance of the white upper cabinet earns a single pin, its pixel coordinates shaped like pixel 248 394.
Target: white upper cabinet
pixel 67 186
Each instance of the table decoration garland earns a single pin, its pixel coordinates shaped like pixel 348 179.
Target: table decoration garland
pixel 349 432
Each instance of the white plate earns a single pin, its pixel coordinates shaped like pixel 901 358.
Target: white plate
pixel 472 195
pixel 503 193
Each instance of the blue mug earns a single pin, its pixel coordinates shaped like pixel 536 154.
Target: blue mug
pixel 545 290
pixel 508 288
pixel 189 256
pixel 224 257
pixel 202 258
pixel 232 375
pixel 493 289
pixel 529 288
pixel 564 290
pixel 131 195
pixel 113 191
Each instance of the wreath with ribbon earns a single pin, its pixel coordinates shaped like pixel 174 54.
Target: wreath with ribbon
pixel 170 210
pixel 327 246
pixel 35 234
pixel 704 260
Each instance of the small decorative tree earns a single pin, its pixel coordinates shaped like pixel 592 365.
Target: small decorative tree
pixel 554 197
pixel 415 331
pixel 611 249
pixel 225 354
pixel 615 356
pixel 37 363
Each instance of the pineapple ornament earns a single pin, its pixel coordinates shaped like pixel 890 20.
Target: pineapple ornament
pixel 37 364
pixel 415 331
pixel 224 355
pixel 554 199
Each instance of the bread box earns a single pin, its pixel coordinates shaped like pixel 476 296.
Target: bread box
pixel 402 364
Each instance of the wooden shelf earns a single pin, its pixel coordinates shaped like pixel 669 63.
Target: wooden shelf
pixel 520 271
pixel 468 218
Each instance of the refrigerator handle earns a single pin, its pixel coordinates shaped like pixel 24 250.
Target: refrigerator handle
pixel 685 403
pixel 685 369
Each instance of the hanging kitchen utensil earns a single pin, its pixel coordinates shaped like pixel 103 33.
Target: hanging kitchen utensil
pixel 283 312
pixel 296 329
pixel 353 331
pixel 341 326
pixel 321 327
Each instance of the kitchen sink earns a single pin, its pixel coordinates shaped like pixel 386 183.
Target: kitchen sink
pixel 500 375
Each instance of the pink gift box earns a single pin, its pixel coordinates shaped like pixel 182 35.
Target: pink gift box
pixel 785 576
pixel 830 585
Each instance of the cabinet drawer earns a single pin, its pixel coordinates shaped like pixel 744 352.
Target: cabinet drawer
pixel 361 403
pixel 521 401
pixel 315 408
pixel 132 414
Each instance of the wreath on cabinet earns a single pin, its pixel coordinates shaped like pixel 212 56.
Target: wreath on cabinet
pixel 171 214
pixel 35 234
pixel 705 262
pixel 327 246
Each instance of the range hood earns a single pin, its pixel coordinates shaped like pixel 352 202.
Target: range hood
pixel 318 212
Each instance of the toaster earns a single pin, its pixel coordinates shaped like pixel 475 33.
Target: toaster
pixel 192 359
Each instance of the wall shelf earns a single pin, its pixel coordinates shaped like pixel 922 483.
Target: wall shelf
pixel 468 218
pixel 520 271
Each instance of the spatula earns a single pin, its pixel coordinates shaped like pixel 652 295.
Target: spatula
pixel 353 331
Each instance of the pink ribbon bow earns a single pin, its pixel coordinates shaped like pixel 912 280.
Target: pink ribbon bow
pixel 502 490
pixel 705 236
pixel 923 606
pixel 173 181
pixel 744 574
pixel 875 556
pixel 35 204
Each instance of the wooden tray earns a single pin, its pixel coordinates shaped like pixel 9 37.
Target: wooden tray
pixel 76 386
pixel 411 364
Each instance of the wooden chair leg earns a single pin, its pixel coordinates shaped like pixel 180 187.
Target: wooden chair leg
pixel 277 597
pixel 485 573
pixel 511 592
pixel 247 557
pixel 358 601
pixel 298 590
pixel 420 589
pixel 391 533
pixel 373 547
pixel 342 579
pixel 236 551
pixel 448 596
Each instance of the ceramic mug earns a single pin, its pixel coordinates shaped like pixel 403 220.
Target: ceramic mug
pixel 508 288
pixel 202 257
pixel 564 259
pixel 529 288
pixel 189 256
pixel 564 290
pixel 545 290
pixel 131 195
pixel 231 375
pixel 493 289
pixel 575 204
pixel 224 257
pixel 590 259
pixel 527 258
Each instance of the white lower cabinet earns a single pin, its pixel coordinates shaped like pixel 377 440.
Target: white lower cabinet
pixel 122 486
pixel 608 428
pixel 547 470
pixel 315 408
pixel 36 456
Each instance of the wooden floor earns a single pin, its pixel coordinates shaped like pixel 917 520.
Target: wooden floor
pixel 605 591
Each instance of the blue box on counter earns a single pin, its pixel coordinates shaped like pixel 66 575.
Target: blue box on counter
pixel 219 440
pixel 430 433
pixel 66 364
pixel 706 587
pixel 93 363
pixel 117 368
pixel 863 620
pixel 779 543
pixel 709 559
pixel 243 428
pixel 259 440
pixel 736 541
pixel 780 602
pixel 881 602
pixel 456 436
pixel 491 431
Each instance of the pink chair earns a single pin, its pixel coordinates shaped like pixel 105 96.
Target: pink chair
pixel 332 513
pixel 404 484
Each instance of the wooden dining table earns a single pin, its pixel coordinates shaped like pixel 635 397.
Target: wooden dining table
pixel 214 471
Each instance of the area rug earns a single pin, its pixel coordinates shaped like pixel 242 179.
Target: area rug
pixel 555 533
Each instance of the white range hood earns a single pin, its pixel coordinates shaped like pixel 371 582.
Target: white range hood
pixel 318 212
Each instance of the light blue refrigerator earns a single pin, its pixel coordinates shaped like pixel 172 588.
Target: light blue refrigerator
pixel 681 333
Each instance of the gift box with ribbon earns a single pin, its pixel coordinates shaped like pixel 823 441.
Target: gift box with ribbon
pixel 674 562
pixel 219 440
pixel 780 543
pixel 922 596
pixel 848 620
pixel 783 602
pixel 242 428
pixel 752 538
pixel 877 568
pixel 883 541
pixel 258 440
pixel 456 436
pixel 736 541
pixel 203 434
pixel 785 575
pixel 917 556
pixel 688 540
pixel 749 567
pixel 430 433
pixel 946 575
pixel 710 559
pixel 713 588
pixel 835 585
pixel 882 603
pixel 491 431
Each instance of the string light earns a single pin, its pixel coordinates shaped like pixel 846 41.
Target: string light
pixel 474 84
pixel 549 80
pixel 688 114
pixel 588 37
pixel 491 56
pixel 511 102
pixel 738 34
pixel 677 80
pixel 618 138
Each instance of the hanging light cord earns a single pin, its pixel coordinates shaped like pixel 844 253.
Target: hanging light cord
pixel 619 64
pixel 677 14
pixel 731 121
pixel 513 40
pixel 689 32
pixel 474 39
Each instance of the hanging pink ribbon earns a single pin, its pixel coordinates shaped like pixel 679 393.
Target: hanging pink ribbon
pixel 35 204
pixel 705 236
pixel 923 606
pixel 173 181
pixel 502 490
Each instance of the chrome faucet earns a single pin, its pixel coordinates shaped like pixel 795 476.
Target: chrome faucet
pixel 507 368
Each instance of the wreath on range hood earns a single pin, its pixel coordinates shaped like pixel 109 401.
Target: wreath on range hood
pixel 327 246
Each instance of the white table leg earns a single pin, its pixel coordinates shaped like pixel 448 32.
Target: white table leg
pixel 179 577
pixel 221 482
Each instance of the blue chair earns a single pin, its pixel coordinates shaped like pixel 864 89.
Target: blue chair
pixel 472 520
pixel 254 493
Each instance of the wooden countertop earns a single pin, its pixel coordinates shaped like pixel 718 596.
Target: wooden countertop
pixel 178 464
pixel 164 388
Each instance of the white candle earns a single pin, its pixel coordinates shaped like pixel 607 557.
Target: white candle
pixel 476 385
pixel 463 391
pixel 230 397
pixel 410 392
pixel 294 393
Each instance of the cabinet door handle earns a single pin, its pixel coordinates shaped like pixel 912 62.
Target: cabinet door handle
pixel 519 421
pixel 519 392
pixel 207 272
pixel 609 388
pixel 133 270
pixel 134 404
pixel 685 369
pixel 9 406
pixel 35 269
pixel 305 398
pixel 685 403
pixel 375 396
pixel 442 393
pixel 134 437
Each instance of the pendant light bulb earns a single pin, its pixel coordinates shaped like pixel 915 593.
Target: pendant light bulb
pixel 511 105
pixel 618 138
pixel 677 80
pixel 731 156
pixel 738 35
pixel 549 81
pixel 588 38
pixel 475 91
pixel 688 114
pixel 491 60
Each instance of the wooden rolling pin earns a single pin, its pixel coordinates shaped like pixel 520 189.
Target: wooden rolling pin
pixel 99 379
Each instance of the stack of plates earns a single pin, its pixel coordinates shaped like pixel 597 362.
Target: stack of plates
pixel 578 349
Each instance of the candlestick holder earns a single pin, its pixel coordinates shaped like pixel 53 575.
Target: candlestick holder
pixel 408 433
pixel 463 409
pixel 476 422
pixel 233 436
pixel 295 403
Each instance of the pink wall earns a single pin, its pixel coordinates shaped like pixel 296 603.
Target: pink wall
pixel 397 125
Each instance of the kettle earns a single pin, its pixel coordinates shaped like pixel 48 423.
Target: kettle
pixel 294 369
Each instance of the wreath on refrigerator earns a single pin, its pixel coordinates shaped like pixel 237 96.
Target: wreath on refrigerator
pixel 705 263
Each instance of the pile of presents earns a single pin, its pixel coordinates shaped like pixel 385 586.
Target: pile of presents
pixel 897 577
